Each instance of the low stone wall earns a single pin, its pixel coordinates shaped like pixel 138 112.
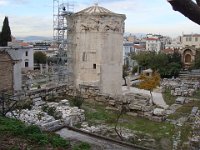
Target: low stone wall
pixel 137 104
pixel 181 87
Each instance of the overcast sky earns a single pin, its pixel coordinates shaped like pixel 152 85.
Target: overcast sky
pixel 34 17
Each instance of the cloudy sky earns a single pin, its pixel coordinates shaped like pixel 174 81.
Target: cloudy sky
pixel 34 17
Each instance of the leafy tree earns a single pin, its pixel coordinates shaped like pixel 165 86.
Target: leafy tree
pixel 149 82
pixel 5 35
pixel 196 64
pixel 188 8
pixel 167 65
pixel 40 58
pixel 143 59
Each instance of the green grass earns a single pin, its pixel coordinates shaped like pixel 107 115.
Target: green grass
pixel 32 134
pixel 81 146
pixel 97 114
pixel 197 94
pixel 184 110
pixel 169 99
pixel 185 132
pixel 157 130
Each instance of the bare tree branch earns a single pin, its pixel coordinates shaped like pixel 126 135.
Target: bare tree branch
pixel 188 8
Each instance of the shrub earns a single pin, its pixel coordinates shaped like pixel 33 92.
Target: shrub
pixel 82 146
pixel 57 141
pixel 77 101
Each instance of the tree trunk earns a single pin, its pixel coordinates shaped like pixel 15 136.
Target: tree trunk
pixel 116 124
pixel 151 101
pixel 125 84
pixel 188 8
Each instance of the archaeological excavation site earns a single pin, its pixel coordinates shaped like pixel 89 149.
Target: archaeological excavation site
pixel 86 92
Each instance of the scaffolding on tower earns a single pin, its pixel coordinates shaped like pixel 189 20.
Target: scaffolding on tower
pixel 61 11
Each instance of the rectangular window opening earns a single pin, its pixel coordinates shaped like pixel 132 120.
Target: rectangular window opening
pixel 84 56
pixel 26 64
pixel 26 53
pixel 94 66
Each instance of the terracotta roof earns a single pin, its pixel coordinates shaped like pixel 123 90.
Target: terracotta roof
pixel 168 51
pixel 139 46
pixel 151 39
pixel 23 44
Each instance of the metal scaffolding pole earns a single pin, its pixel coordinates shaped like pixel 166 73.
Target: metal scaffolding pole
pixel 61 10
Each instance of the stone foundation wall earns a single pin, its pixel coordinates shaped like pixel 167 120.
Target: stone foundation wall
pixel 138 105
pixel 6 72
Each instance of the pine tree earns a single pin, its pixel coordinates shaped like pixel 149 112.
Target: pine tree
pixel 5 35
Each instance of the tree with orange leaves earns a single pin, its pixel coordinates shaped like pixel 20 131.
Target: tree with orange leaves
pixel 149 82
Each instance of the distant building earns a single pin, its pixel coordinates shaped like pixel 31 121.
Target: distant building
pixel 191 40
pixel 190 48
pixel 174 45
pixel 153 44
pixel 128 47
pixel 188 56
pixel 25 52
pixel 52 51
pixel 130 38
pixel 41 46
pixel 139 48
pixel 156 42
pixel 168 51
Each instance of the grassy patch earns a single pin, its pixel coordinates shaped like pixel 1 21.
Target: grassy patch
pixel 156 129
pixel 185 110
pixel 81 146
pixel 169 99
pixel 197 94
pixel 97 114
pixel 31 134
pixel 185 132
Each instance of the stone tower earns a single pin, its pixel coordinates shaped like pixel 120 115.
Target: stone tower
pixel 95 37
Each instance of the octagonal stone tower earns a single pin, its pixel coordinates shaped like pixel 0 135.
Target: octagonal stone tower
pixel 96 37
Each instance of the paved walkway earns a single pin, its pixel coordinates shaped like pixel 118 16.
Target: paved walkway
pixel 97 144
pixel 157 96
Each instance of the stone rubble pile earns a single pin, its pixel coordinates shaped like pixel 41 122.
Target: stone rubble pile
pixel 70 115
pixel 195 139
pixel 36 116
pixel 106 131
pixel 181 87
pixel 138 105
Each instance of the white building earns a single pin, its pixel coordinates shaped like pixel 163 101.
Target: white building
pixel 128 47
pixel 153 44
pixel 25 52
pixel 191 40
pixel 96 41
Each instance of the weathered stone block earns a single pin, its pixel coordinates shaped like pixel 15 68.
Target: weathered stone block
pixel 159 112
pixel 132 114
pixel 111 102
pixel 135 107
